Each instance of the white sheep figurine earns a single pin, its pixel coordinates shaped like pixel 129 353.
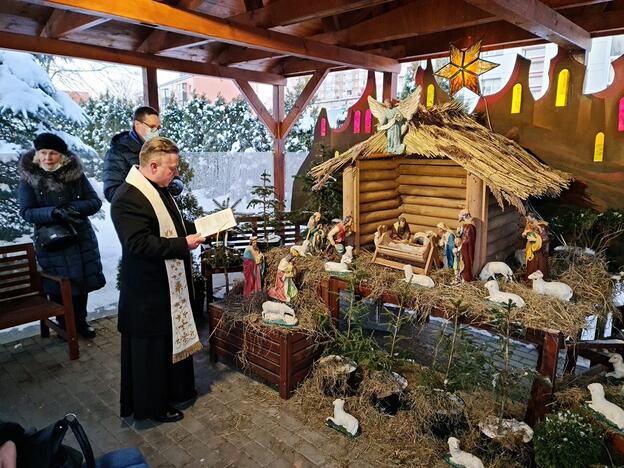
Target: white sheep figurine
pixel 345 261
pixel 279 314
pixel 491 269
pixel 413 278
pixel 303 249
pixel 550 288
pixel 618 366
pixel 461 458
pixel 601 405
pixel 502 297
pixel 343 421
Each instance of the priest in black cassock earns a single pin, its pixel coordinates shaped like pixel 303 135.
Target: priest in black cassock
pixel 158 333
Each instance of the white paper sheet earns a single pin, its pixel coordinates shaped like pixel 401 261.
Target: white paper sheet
pixel 216 222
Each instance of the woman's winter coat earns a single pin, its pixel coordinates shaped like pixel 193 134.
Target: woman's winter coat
pixel 39 193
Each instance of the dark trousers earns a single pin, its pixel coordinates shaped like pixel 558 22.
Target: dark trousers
pixel 149 380
pixel 80 308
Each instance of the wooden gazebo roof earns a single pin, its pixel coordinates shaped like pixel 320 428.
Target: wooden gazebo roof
pixel 265 41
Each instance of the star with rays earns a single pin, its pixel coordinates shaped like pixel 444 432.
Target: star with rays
pixel 464 68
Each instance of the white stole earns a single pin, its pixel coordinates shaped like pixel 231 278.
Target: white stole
pixel 185 337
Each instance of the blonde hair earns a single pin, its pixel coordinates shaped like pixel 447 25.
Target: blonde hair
pixel 37 161
pixel 155 149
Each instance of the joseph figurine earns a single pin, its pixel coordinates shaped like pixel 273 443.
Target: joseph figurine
pixel 467 234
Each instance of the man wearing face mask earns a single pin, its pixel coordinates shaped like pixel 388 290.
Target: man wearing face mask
pixel 124 149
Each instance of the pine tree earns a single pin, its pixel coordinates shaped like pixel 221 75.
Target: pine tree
pixel 271 207
pixel 409 86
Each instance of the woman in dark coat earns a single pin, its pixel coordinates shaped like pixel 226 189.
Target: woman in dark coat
pixel 54 189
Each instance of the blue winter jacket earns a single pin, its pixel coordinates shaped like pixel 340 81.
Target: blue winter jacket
pixel 122 154
pixel 39 193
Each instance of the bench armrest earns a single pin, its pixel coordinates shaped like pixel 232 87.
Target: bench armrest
pixel 58 279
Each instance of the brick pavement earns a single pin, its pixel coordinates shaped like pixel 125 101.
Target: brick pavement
pixel 235 422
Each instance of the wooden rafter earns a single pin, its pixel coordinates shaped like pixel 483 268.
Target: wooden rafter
pixel 106 54
pixel 256 104
pixel 302 101
pixel 157 41
pixel 205 26
pixel 62 23
pixel 285 12
pixel 281 13
pixel 539 19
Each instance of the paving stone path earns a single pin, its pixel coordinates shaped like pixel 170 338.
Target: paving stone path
pixel 235 422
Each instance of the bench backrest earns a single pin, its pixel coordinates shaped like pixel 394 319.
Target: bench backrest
pixel 18 271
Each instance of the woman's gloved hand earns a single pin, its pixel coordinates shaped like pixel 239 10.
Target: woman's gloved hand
pixel 68 214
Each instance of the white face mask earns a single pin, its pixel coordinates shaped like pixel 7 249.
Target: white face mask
pixel 151 133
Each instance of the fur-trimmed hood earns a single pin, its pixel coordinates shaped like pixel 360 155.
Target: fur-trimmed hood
pixel 33 175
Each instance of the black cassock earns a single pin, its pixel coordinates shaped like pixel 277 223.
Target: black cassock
pixel 149 379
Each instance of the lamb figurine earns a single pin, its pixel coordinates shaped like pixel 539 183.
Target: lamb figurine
pixel 413 278
pixel 345 261
pixel 601 405
pixel 278 313
pixel 618 366
pixel 550 288
pixel 303 249
pixel 343 421
pixel 502 297
pixel 460 458
pixel 491 269
pixel 618 290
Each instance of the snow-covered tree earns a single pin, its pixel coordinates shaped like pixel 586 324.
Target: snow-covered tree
pixel 29 104
pixel 302 133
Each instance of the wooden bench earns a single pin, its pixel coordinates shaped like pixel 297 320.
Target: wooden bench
pixel 22 299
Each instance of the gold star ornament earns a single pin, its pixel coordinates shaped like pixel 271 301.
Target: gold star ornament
pixel 464 68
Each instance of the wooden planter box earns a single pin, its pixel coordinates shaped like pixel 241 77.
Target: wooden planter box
pixel 278 358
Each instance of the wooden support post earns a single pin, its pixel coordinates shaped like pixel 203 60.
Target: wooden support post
pixel 279 164
pixel 544 381
pixel 389 85
pixel 150 87
pixel 476 203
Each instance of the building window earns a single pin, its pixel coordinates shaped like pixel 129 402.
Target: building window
pixel 357 117
pixel 490 86
pixel 516 98
pixel 430 95
pixel 599 147
pixel 563 81
pixel 368 121
pixel 323 126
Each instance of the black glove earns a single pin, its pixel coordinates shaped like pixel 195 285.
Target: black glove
pixel 68 214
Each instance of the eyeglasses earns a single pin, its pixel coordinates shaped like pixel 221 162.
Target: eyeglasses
pixel 153 127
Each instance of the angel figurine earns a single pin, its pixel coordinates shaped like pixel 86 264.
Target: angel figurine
pixel 394 117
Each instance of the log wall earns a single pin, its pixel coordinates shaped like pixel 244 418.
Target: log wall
pixel 425 191
pixel 504 233
pixel 431 191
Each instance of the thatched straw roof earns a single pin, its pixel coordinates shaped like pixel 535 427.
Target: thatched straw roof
pixel 511 173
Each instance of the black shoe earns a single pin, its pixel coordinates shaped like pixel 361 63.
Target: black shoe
pixel 85 330
pixel 170 415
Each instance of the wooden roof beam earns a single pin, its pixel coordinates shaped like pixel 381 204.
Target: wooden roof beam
pixel 285 12
pixel 157 41
pixel 209 27
pixel 278 13
pixel 107 54
pixel 539 19
pixel 303 100
pixel 256 104
pixel 415 18
pixel 62 23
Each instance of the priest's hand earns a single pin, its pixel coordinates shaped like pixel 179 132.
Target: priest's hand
pixel 194 240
